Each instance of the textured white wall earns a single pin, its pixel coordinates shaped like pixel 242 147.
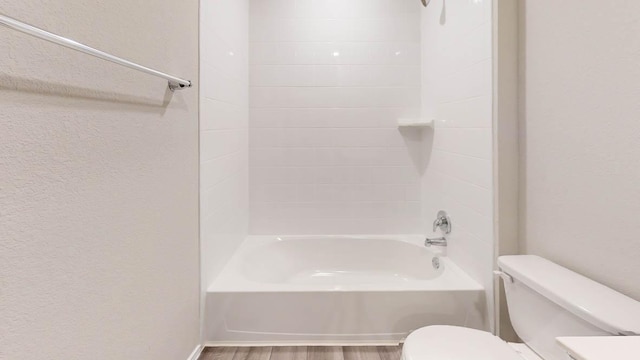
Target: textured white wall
pixel 581 142
pixel 328 81
pixel 98 184
pixel 457 92
pixel 224 117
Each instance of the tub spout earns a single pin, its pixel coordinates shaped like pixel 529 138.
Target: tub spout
pixel 435 242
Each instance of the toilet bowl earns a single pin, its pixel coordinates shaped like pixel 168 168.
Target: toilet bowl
pixel 458 343
pixel 545 301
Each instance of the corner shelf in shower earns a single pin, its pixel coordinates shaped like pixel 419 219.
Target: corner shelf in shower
pixel 415 123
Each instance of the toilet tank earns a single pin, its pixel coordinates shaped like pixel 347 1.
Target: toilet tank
pixel 546 300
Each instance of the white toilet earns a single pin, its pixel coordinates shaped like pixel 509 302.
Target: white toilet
pixel 545 301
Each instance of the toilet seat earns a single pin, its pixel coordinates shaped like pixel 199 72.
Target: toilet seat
pixel 456 343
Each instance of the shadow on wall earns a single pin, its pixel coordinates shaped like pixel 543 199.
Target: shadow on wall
pixel 419 144
pixel 132 102
pixel 522 123
pixel 507 331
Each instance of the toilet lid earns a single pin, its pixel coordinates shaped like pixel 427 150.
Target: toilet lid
pixel 456 343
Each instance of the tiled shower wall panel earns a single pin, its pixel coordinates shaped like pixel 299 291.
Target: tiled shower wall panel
pixel 457 79
pixel 224 122
pixel 328 80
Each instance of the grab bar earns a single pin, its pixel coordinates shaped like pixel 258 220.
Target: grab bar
pixel 175 83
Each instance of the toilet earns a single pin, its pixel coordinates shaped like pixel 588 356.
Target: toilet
pixel 545 301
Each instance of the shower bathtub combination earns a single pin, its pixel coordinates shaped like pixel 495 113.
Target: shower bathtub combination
pixel 337 290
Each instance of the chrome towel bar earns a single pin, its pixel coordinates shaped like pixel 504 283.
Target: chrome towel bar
pixel 175 83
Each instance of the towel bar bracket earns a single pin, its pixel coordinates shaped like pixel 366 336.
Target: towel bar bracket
pixel 173 86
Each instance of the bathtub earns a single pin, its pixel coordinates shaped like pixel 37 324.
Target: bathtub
pixel 337 290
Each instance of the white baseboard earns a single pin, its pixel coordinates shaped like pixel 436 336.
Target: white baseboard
pixel 196 353
pixel 300 343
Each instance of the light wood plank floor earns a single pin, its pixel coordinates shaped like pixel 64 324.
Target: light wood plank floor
pixel 303 353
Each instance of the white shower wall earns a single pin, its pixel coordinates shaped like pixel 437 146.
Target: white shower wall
pixel 328 81
pixel 224 114
pixel 300 101
pixel 457 92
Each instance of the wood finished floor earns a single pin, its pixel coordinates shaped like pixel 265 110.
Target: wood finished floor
pixel 303 353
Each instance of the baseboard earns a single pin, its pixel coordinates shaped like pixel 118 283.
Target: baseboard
pixel 196 353
pixel 299 343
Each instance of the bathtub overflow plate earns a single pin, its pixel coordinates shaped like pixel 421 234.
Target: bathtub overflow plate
pixel 436 263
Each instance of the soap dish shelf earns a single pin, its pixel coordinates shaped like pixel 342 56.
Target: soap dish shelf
pixel 415 123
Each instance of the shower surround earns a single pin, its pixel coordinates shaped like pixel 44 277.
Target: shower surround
pixel 310 109
pixel 328 81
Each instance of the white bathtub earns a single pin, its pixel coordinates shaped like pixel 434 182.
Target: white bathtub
pixel 336 290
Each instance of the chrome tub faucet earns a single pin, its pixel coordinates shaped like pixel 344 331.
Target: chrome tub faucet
pixel 441 241
pixel 442 222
